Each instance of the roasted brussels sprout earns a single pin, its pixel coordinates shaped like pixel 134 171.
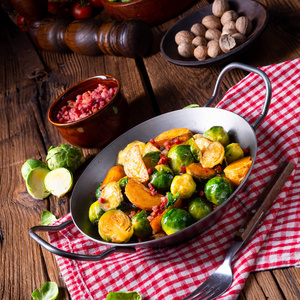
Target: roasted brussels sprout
pixel 115 226
pixel 184 185
pixel 111 196
pixel 141 225
pixel 194 149
pixel 175 220
pixel 218 189
pixel 233 152
pixel 122 183
pixel 95 212
pixel 162 178
pixel 217 133
pixel 199 208
pixel 98 191
pixel 151 159
pixel 213 155
pixel 180 156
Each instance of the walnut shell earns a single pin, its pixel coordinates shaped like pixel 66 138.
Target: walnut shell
pixel 186 49
pixel 211 22
pixel 200 52
pixel 243 25
pixel 219 7
pixel 239 38
pixel 212 34
pixel 198 29
pixel 183 36
pixel 229 15
pixel 227 43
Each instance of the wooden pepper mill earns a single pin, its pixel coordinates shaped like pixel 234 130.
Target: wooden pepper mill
pixel 131 38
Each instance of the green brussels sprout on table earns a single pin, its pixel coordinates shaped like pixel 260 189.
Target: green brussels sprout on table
pixel 65 156
pixel 217 134
pixel 218 189
pixel 175 220
pixel 180 156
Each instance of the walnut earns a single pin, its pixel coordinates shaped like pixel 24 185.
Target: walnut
pixel 219 7
pixel 229 15
pixel 239 38
pixel 198 29
pixel 211 22
pixel 186 49
pixel 227 43
pixel 199 40
pixel 200 52
pixel 243 25
pixel 212 34
pixel 183 36
pixel 213 48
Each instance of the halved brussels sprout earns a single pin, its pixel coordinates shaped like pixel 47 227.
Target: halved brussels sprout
pixel 233 152
pixel 95 212
pixel 180 156
pixel 218 189
pixel 199 208
pixel 213 155
pixel 217 133
pixel 115 226
pixel 141 225
pixel 175 220
pixel 162 178
pixel 202 142
pixel 151 159
pixel 237 170
pixel 194 149
pixel 184 185
pixel 111 196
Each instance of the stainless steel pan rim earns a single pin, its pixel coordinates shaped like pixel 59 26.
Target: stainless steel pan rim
pixel 197 120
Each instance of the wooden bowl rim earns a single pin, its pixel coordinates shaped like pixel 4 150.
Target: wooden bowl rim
pixel 92 116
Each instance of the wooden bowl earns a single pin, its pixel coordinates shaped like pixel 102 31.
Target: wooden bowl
pixel 253 10
pixel 98 129
pixel 152 12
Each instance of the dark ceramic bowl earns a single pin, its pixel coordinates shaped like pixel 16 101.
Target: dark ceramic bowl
pixel 98 129
pixel 153 12
pixel 255 11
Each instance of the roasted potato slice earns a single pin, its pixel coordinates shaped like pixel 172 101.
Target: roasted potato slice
pixel 199 172
pixel 213 155
pixel 123 153
pixel 237 171
pixel 170 135
pixel 134 166
pixel 149 147
pixel 140 196
pixel 114 174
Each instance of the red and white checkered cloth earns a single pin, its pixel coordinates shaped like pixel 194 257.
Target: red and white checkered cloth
pixel 172 273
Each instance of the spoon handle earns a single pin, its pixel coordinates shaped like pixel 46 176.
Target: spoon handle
pixel 264 202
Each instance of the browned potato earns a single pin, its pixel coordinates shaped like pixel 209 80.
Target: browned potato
pixel 170 135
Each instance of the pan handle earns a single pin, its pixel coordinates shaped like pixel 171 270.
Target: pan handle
pixel 248 68
pixel 70 255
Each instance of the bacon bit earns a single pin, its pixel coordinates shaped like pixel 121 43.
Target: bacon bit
pixel 132 213
pixel 152 189
pixel 101 200
pixel 150 218
pixel 163 160
pixel 152 141
pixel 182 169
pixel 150 171
pixel 164 202
pixel 246 151
pixel 167 145
pixel 175 141
pixel 218 169
pixel 201 194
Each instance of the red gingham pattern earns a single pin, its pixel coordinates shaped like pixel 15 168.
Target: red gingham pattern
pixel 172 273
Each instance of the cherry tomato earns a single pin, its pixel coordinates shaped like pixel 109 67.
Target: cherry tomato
pixel 52 7
pixel 22 23
pixel 96 3
pixel 82 10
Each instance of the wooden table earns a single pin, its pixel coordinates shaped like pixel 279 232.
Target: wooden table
pixel 151 86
